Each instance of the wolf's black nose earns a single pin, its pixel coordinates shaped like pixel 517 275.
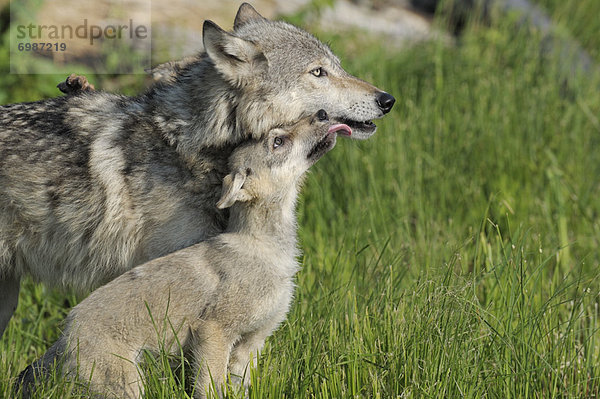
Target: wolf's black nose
pixel 385 101
pixel 322 115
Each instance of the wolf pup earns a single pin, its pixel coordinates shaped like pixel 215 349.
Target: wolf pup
pixel 222 297
pixel 93 184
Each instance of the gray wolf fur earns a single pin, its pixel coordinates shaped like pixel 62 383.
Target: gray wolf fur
pixel 221 298
pixel 93 184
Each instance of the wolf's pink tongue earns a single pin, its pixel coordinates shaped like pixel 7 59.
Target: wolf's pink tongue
pixel 340 128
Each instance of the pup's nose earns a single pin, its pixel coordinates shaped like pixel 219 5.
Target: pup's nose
pixel 385 101
pixel 322 115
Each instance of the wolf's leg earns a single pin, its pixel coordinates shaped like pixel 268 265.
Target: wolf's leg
pixel 9 297
pixel 39 370
pixel 28 378
pixel 211 355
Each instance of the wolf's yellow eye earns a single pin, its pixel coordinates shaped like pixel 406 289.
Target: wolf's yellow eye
pixel 319 72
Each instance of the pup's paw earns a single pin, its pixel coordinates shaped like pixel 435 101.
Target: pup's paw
pixel 75 84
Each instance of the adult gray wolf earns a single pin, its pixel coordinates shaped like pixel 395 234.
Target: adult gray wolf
pixel 94 183
pixel 220 298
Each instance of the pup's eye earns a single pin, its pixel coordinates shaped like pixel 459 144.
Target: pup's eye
pixel 277 142
pixel 319 72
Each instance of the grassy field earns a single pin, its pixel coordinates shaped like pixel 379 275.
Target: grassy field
pixel 455 254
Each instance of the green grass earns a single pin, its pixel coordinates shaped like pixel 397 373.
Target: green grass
pixel 579 20
pixel 454 254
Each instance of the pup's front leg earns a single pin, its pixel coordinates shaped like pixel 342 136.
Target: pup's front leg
pixel 243 358
pixel 211 355
pixel 245 354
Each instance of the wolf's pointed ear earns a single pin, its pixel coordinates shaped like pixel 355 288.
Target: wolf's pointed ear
pixel 245 14
pixel 234 57
pixel 233 190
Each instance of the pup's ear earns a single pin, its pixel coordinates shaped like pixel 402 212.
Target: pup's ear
pixel 234 57
pixel 245 14
pixel 233 190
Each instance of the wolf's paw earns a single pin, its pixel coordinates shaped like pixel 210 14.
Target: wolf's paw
pixel 75 84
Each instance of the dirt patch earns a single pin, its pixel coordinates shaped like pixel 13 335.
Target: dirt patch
pixel 175 26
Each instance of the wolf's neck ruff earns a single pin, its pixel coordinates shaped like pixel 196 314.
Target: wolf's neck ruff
pixel 198 110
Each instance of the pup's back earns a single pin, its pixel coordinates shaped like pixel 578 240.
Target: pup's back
pixel 220 298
